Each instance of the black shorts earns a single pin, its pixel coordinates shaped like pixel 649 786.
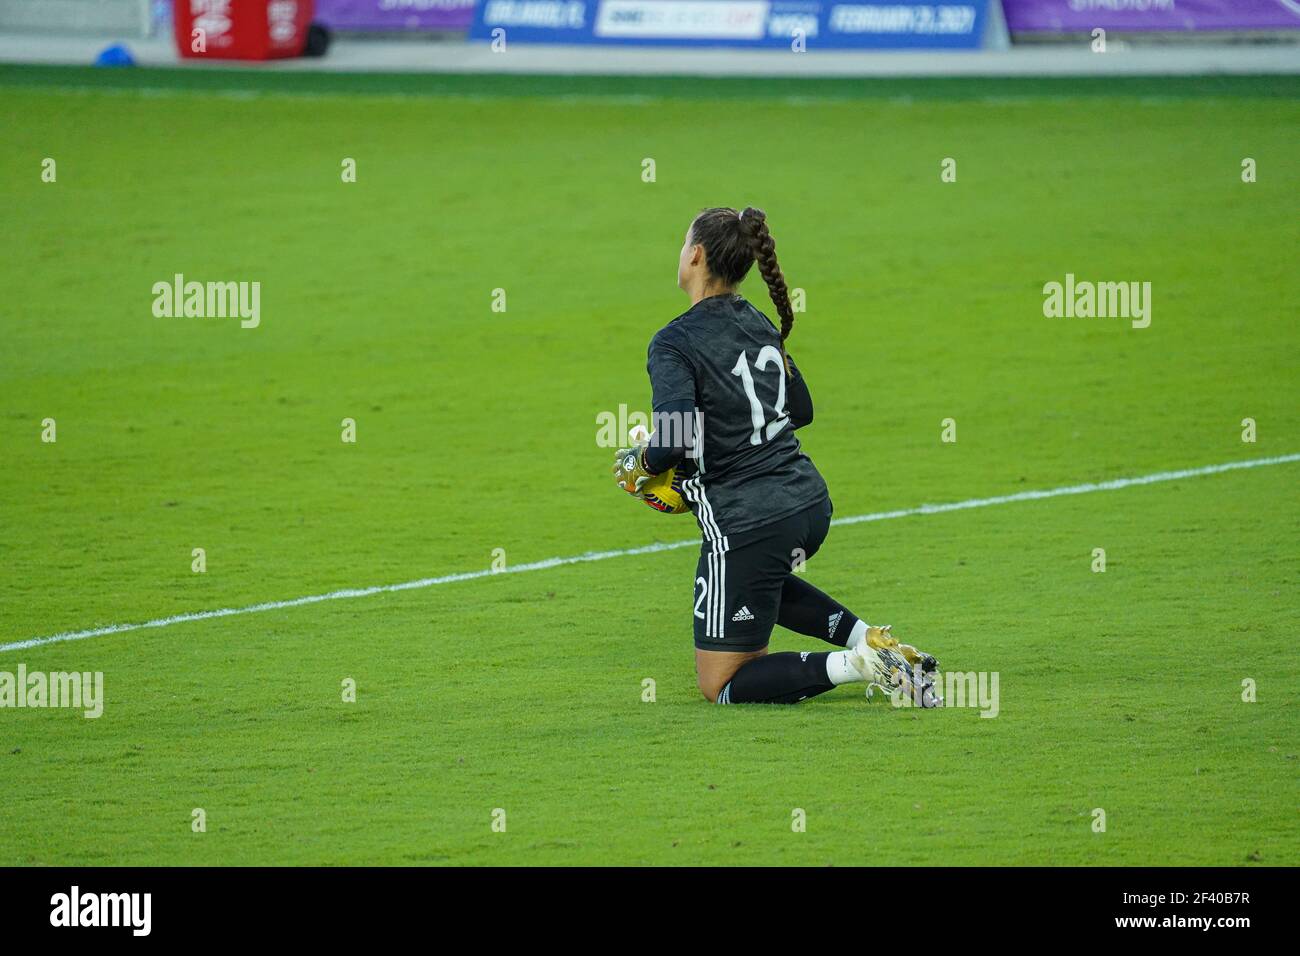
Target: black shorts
pixel 739 578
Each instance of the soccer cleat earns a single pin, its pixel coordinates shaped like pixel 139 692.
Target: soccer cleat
pixel 926 662
pixel 896 668
pixel 881 638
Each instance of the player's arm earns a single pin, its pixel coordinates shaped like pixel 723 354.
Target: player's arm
pixel 798 400
pixel 672 383
pixel 670 440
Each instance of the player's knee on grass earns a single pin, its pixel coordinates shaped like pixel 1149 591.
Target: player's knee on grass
pixel 710 687
pixel 714 668
pixel 711 680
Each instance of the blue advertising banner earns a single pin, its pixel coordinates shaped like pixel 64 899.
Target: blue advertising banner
pixel 870 24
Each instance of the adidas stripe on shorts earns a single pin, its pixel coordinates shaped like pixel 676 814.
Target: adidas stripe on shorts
pixel 739 578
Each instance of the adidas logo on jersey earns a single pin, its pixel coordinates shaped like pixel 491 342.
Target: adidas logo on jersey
pixel 742 615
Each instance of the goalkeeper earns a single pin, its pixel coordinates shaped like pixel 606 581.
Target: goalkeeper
pixel 727 400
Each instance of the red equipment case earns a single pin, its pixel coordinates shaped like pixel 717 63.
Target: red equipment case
pixel 241 29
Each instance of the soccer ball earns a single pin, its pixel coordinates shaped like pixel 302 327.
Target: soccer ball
pixel 663 492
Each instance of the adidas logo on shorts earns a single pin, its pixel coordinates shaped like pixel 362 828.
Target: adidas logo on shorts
pixel 742 615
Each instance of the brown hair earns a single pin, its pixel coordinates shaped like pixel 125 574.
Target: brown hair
pixel 732 243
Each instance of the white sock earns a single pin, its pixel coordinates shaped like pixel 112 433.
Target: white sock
pixel 839 670
pixel 857 635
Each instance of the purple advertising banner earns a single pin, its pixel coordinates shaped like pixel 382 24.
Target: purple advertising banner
pixel 1082 16
pixel 395 14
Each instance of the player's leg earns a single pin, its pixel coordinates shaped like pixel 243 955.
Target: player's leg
pixel 727 634
pixel 804 608
pixel 807 610
pixel 713 669
pixel 739 582
pixel 784 678
pixel 870 654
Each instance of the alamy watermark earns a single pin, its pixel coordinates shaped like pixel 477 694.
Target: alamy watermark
pixel 666 429
pixel 960 689
pixel 179 299
pixel 1101 300
pixel 82 690
pixel 75 908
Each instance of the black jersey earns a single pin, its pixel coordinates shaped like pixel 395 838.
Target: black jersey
pixel 724 356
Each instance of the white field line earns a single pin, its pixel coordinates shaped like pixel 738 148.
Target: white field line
pixel 1081 489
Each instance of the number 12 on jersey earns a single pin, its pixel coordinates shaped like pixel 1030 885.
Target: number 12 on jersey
pixel 767 356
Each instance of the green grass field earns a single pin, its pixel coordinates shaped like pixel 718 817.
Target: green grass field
pixel 476 431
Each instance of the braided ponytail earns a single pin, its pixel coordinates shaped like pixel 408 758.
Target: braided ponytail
pixel 753 229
